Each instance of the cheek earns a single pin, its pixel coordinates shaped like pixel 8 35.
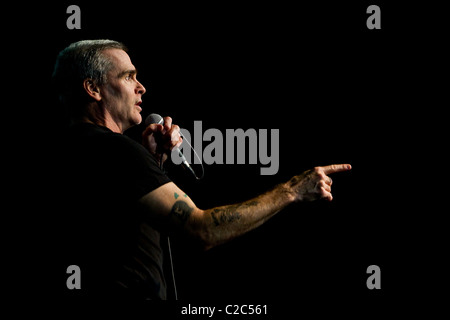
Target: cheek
pixel 123 99
pixel 119 97
pixel 112 94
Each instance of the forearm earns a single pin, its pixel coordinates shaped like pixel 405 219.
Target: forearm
pixel 224 223
pixel 169 206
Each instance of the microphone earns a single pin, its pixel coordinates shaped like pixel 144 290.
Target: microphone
pixel 156 118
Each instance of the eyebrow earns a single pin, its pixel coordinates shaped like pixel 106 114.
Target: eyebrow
pixel 131 71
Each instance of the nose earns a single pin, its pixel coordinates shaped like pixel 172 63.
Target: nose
pixel 140 89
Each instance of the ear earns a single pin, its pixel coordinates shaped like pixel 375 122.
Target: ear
pixel 92 89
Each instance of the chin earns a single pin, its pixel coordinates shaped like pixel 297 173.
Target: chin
pixel 137 119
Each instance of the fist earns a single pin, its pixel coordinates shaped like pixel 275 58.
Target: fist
pixel 161 139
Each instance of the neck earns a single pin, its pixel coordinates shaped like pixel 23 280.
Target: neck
pixel 113 126
pixel 102 118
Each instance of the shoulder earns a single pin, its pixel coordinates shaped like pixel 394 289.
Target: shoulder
pixel 103 139
pixel 115 159
pixel 110 149
pixel 128 150
pixel 123 142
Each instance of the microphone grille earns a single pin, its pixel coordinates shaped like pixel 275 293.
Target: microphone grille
pixel 154 118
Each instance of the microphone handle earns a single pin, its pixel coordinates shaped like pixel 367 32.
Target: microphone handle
pixel 156 118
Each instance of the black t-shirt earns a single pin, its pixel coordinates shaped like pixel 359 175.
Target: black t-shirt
pixel 106 233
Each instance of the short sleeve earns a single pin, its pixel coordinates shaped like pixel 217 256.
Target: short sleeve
pixel 133 169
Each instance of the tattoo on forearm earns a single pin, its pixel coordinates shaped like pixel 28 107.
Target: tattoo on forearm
pixel 230 213
pixel 181 211
pixel 224 215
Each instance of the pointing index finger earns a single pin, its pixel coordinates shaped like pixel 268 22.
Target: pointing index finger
pixel 336 168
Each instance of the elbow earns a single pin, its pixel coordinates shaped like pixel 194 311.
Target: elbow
pixel 208 234
pixel 207 247
pixel 206 239
pixel 202 233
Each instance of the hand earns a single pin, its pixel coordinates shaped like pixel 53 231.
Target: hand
pixel 315 184
pixel 161 139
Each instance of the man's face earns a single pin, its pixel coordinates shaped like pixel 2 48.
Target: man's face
pixel 122 94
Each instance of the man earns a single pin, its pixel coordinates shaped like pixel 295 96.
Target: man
pixel 121 201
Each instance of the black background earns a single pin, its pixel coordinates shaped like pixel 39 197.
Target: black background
pixel 338 93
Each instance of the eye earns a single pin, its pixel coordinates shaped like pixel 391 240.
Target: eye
pixel 130 76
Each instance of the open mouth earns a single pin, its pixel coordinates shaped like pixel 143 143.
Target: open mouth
pixel 138 104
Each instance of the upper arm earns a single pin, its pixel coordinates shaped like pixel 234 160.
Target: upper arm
pixel 169 205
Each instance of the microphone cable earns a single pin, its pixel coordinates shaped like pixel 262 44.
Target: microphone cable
pixel 169 248
pixel 171 268
pixel 196 155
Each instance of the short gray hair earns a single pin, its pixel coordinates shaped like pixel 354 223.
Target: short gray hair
pixel 80 61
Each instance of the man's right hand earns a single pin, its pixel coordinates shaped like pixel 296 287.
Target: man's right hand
pixel 161 139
